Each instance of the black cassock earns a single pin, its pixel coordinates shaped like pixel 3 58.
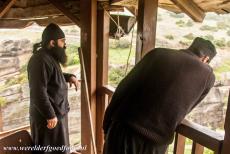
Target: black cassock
pixel 48 98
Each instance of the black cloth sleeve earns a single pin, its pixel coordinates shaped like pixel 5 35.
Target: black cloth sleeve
pixel 39 73
pixel 209 84
pixel 67 76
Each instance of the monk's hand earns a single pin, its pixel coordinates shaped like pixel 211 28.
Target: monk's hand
pixel 73 81
pixel 51 123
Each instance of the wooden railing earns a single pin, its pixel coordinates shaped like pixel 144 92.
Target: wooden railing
pixel 6 133
pixel 200 135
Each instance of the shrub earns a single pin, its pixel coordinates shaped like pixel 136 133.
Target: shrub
pixel 185 42
pixel 221 25
pixel 189 23
pixel 73 30
pixel 23 68
pixel 159 17
pixel 228 32
pixel 178 15
pixel 22 78
pixel 220 43
pixel 73 59
pixel 208 28
pixel 180 23
pixel 208 37
pixel 115 76
pixel 228 44
pixel 189 36
pixel 169 37
pixel 2 101
pixel 122 43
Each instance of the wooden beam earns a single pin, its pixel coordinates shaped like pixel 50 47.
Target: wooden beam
pixel 8 132
pixel 32 12
pixel 226 143
pixel 66 12
pixel 88 17
pixel 103 22
pixel 191 9
pixel 200 134
pixel 60 20
pixel 14 23
pixel 6 6
pixel 146 27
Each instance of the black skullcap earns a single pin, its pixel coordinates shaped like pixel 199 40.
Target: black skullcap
pixel 202 47
pixel 52 32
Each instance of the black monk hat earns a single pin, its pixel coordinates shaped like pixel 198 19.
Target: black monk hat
pixel 202 47
pixel 52 32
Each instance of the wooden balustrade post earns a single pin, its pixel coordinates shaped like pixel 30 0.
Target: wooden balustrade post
pixel 1 120
pixel 226 143
pixel 197 148
pixel 179 144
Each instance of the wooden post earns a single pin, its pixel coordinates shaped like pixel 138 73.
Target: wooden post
pixel 197 148
pixel 226 143
pixel 102 72
pixel 1 121
pixel 146 27
pixel 88 19
pixel 179 144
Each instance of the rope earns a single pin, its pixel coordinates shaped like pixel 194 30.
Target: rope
pixel 130 50
pixel 119 28
pixel 118 34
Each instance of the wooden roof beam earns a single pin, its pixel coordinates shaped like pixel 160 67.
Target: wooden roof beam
pixel 6 6
pixel 67 13
pixel 191 9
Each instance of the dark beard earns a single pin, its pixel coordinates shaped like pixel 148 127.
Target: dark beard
pixel 59 54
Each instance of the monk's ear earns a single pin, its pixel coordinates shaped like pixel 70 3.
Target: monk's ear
pixel 52 43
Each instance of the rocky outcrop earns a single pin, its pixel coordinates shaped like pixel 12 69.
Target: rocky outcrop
pixel 11 54
pixel 211 111
pixel 12 48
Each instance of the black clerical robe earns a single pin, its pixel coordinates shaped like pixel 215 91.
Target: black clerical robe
pixel 48 99
pixel 152 100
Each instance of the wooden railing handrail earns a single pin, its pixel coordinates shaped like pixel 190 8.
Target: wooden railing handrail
pixel 6 133
pixel 107 89
pixel 199 134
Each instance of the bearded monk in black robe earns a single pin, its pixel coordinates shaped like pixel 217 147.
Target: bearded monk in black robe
pixel 49 105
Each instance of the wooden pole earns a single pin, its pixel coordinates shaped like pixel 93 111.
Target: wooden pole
pixel 88 18
pixel 226 143
pixel 102 72
pixel 1 121
pixel 146 27
pixel 87 99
